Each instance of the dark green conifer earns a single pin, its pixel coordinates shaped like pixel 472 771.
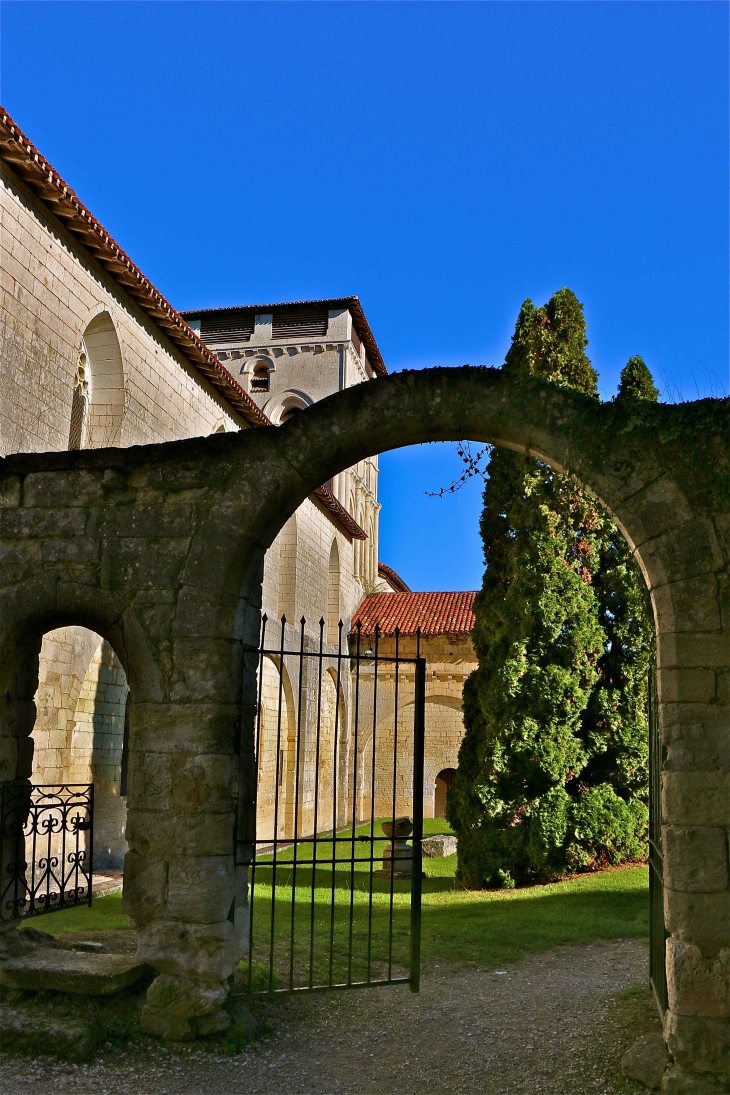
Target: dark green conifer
pixel 637 382
pixel 552 769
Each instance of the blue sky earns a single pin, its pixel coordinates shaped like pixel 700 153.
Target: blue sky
pixel 441 160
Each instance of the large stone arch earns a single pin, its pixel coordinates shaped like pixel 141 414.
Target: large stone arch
pixel 160 549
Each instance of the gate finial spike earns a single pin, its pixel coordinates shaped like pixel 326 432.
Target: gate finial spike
pixel 321 621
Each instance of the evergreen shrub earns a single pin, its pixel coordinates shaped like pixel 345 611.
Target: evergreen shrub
pixel 553 768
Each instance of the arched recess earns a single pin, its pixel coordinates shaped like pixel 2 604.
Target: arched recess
pixel 275 752
pixel 288 571
pixel 333 595
pixel 106 390
pixel 78 735
pixel 443 781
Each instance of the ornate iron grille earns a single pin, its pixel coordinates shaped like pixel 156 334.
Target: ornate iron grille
pixel 657 931
pixel 46 848
pixel 334 884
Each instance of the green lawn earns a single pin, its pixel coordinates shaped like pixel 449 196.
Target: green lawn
pixel 353 937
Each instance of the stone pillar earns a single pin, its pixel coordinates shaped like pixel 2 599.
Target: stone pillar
pixel 696 819
pixel 179 879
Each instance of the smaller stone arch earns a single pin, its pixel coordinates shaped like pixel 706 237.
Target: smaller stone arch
pixel 101 360
pixel 286 405
pixel 442 783
pixel 333 595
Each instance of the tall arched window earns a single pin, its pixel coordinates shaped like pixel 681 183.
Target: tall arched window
pixel 79 402
pixel 288 570
pixel 105 379
pixel 333 595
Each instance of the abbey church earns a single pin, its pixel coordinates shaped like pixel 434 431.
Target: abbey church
pixel 93 356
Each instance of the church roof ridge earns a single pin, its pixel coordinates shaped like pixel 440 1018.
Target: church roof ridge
pixel 58 197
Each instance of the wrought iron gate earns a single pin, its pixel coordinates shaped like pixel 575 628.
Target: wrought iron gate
pixel 46 848
pixel 334 883
pixel 657 931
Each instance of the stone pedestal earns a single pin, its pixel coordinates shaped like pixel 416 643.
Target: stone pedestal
pixel 398 855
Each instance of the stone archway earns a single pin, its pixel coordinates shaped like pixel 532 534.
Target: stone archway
pixel 160 548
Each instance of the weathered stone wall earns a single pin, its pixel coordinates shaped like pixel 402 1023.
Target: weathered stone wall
pixel 160 550
pixel 50 291
pixel 449 661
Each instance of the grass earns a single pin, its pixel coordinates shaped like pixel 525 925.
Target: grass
pixel 104 914
pixel 355 937
pixel 484 928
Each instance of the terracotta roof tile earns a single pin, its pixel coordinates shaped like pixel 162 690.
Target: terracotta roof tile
pixel 433 613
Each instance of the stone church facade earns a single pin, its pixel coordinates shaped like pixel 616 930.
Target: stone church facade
pixel 93 357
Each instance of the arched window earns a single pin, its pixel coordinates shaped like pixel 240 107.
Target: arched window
pixel 105 380
pixel 260 377
pixel 333 595
pixel 79 402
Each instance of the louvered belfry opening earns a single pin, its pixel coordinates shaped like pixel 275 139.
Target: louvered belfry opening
pixel 309 323
pixel 226 327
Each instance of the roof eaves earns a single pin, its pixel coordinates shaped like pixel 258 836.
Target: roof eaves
pixel 359 320
pixel 35 171
pixel 342 518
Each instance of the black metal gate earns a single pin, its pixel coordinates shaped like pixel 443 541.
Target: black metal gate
pixel 46 848
pixel 334 881
pixel 657 931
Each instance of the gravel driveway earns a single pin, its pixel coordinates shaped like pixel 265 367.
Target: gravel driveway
pixel 546 1024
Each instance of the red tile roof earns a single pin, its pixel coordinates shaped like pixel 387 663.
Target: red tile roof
pixel 433 613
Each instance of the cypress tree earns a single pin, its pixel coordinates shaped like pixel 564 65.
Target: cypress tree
pixel 636 381
pixel 553 767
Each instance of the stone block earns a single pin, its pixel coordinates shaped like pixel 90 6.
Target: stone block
pixel 205 671
pixel 696 798
pixel 73 550
pixel 201 889
pixel 700 918
pixel 8 757
pixel 695 859
pixel 438 846
pixel 203 952
pixel 693 648
pixel 678 1081
pixel 23 1032
pixel 178 1010
pixel 81 974
pixel 169 832
pixel 698 985
pixel 150 779
pixel 688 605
pixel 696 735
pixel 208 781
pixel 683 552
pixel 698 1045
pixel 193 728
pixel 686 685
pixel 48 489
pixel 9 491
pixel 646 1061
pixel 144 896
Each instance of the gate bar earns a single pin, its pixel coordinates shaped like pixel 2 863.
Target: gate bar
pixel 419 734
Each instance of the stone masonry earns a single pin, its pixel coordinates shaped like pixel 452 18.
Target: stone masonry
pixel 160 550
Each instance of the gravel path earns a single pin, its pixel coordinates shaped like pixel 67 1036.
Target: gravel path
pixel 543 1026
